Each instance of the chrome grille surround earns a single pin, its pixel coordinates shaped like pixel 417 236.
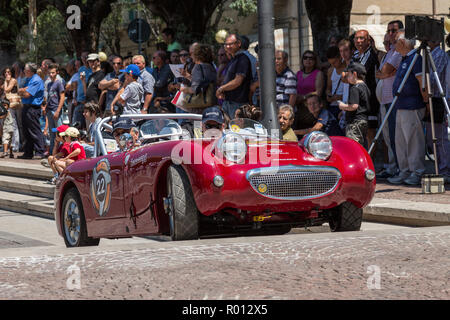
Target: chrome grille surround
pixel 294 182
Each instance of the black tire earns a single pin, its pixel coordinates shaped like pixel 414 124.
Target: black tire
pixel 73 222
pixel 346 217
pixel 183 213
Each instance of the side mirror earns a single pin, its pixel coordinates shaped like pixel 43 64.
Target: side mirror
pixel 125 141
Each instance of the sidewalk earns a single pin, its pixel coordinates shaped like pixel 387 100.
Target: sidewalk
pixel 396 204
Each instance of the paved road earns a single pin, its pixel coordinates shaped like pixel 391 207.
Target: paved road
pixel 380 262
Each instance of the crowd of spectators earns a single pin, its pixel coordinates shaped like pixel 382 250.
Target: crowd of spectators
pixel 346 94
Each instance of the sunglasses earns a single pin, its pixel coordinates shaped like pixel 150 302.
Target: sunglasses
pixel 213 126
pixel 308 58
pixel 116 63
pixel 184 55
pixel 230 43
pixel 392 30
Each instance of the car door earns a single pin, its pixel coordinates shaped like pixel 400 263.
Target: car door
pixel 106 187
pixel 139 167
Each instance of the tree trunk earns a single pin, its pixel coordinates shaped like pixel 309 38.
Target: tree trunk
pixel 193 14
pixel 92 14
pixel 328 18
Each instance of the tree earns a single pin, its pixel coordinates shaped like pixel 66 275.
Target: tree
pixel 93 12
pixel 328 18
pixel 13 15
pixel 52 37
pixel 192 15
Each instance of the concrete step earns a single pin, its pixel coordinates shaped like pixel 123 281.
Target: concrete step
pixel 409 213
pixel 20 169
pixel 27 186
pixel 28 204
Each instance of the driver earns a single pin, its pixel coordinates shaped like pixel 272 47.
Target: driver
pixel 120 127
pixel 213 121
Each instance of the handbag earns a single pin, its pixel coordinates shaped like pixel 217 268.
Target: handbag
pixel 204 97
pixel 14 100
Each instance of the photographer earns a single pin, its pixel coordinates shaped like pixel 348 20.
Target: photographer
pixel 132 92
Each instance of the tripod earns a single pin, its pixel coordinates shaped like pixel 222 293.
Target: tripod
pixel 427 60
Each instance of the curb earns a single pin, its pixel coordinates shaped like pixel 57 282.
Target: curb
pixel 408 213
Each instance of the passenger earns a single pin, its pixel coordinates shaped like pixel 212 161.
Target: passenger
pixel 213 122
pixel 286 118
pixel 76 150
pixel 120 127
pixel 325 120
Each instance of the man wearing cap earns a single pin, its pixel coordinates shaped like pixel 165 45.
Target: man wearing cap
pixel 91 88
pixel 120 127
pixel 132 92
pixel 358 106
pixel 212 118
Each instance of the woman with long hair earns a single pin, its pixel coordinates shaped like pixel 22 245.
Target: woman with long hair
pixel 10 88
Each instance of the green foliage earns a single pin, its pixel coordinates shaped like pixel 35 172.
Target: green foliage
pixel 244 7
pixel 52 37
pixel 13 15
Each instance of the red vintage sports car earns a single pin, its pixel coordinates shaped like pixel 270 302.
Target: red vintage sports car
pixel 236 181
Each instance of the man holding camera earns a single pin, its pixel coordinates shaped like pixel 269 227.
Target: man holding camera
pixel 112 82
pixel 409 137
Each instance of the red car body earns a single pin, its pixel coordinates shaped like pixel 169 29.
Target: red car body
pixel 137 186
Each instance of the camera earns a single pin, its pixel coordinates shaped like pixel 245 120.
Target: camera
pixel 118 109
pixel 424 28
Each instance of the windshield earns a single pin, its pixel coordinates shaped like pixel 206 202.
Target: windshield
pixel 160 128
pixel 247 127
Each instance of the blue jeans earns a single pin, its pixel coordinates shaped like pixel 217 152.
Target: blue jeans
pixel 230 107
pixel 52 123
pixel 78 115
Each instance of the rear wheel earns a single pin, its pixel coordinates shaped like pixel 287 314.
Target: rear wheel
pixel 180 206
pixel 346 217
pixel 74 223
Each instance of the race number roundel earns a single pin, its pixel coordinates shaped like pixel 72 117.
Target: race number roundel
pixel 101 187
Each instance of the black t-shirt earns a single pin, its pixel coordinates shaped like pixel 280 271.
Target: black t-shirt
pixel 92 90
pixel 359 94
pixel 370 61
pixel 239 65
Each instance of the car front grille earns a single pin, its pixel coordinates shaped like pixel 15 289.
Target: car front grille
pixel 294 182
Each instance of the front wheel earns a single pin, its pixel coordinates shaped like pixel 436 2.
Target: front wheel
pixel 180 206
pixel 74 223
pixel 346 217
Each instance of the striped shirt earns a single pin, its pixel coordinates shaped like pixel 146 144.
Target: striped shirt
pixel 286 86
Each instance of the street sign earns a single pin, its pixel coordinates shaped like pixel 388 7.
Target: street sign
pixel 139 31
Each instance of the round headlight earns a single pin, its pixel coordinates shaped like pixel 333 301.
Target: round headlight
pixel 319 145
pixel 233 147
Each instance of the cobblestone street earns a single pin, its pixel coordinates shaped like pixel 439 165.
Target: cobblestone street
pixel 390 264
